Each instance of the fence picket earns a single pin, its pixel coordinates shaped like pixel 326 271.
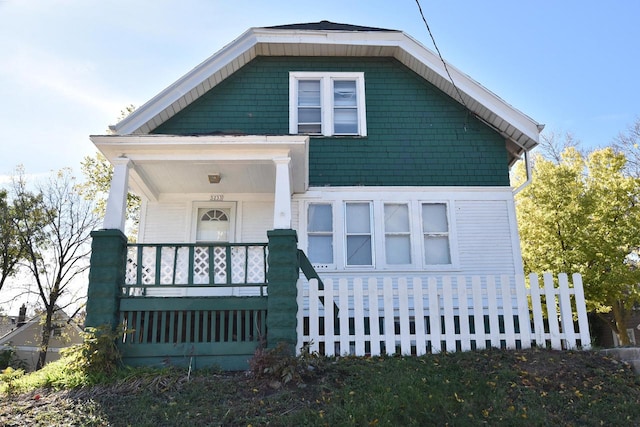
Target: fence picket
pixel 536 304
pixel 581 309
pixel 374 316
pixel 314 313
pixel 329 317
pixel 449 321
pixel 419 316
pixel 507 312
pixel 463 302
pixel 523 313
pixel 343 316
pixel 481 334
pixel 552 310
pixel 434 316
pixel 403 303
pixel 494 319
pixel 389 318
pixel 358 315
pixel 566 315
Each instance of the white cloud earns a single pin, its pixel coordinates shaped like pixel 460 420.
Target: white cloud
pixel 69 78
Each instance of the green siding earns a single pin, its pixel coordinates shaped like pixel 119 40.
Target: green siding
pixel 417 135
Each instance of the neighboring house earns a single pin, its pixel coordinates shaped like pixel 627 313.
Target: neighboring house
pixel 25 339
pixel 351 142
pixel 353 136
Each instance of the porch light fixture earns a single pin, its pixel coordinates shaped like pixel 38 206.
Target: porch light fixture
pixel 214 178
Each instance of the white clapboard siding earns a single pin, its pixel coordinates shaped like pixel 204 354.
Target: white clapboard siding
pixel 257 218
pixel 383 315
pixel 484 239
pixel 165 223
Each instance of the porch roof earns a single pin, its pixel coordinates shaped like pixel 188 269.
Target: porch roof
pixel 178 164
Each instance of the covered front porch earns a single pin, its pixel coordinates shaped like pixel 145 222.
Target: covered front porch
pixel 204 295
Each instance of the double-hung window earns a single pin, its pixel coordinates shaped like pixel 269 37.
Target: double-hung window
pixel 320 233
pixel 397 234
pixel 435 230
pixel 327 103
pixel 359 251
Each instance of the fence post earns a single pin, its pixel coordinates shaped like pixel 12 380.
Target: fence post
pixel 282 277
pixel 106 276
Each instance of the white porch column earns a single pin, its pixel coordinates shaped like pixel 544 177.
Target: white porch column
pixel 282 206
pixel 116 211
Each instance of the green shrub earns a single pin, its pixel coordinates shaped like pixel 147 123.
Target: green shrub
pixel 9 359
pixel 98 354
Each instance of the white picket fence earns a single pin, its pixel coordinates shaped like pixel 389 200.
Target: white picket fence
pixel 418 315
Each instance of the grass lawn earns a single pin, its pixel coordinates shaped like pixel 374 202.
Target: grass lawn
pixel 511 388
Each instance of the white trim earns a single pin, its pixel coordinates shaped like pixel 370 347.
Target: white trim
pixel 326 79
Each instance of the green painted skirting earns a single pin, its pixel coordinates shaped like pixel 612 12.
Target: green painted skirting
pixel 225 356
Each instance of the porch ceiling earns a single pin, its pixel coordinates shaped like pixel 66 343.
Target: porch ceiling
pixel 173 164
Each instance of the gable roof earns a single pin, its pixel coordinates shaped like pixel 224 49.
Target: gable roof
pixel 60 316
pixel 331 39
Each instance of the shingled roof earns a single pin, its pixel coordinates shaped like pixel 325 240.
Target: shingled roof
pixel 326 26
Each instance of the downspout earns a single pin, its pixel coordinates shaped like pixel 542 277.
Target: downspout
pixel 527 166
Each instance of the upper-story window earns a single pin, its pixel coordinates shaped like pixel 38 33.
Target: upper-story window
pixel 323 103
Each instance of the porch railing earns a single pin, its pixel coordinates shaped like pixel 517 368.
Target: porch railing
pixel 182 269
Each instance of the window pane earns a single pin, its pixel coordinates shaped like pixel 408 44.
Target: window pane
pixel 309 115
pixel 436 250
pixel 359 250
pixel 313 128
pixel 345 120
pixel 434 218
pixel 398 249
pixel 320 218
pixel 309 93
pixel 344 93
pixel 358 220
pixel 321 249
pixel 396 218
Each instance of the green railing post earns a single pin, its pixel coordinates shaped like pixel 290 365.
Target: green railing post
pixel 282 276
pixel 106 277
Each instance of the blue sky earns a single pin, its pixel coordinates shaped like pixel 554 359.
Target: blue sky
pixel 69 66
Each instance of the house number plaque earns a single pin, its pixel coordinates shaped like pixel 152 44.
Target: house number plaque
pixel 216 198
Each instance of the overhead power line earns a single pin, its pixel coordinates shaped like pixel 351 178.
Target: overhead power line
pixel 440 55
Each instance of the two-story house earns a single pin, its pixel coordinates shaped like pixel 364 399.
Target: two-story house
pixel 384 159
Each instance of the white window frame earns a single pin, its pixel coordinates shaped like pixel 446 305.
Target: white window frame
pixel 371 234
pixel 453 262
pixel 384 233
pixel 307 207
pixel 326 100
